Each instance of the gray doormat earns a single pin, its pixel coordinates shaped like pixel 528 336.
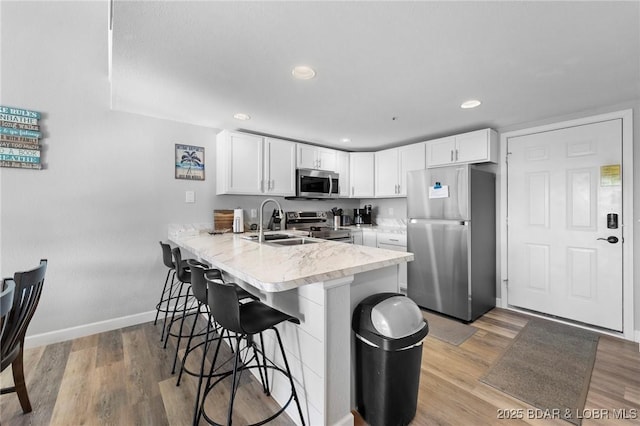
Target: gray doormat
pixel 448 330
pixel 548 365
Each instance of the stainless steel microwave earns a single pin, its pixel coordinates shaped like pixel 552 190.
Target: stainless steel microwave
pixel 317 184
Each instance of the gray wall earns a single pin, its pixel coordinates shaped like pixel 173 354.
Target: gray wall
pixel 99 209
pixel 108 192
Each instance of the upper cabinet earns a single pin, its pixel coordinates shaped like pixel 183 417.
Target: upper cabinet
pixel 391 167
pixel 473 147
pixel 361 172
pixel 315 157
pixel 279 167
pixel 254 165
pixel 342 161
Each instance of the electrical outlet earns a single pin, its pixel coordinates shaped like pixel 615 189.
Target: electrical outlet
pixel 190 197
pixel 390 211
pixel 254 213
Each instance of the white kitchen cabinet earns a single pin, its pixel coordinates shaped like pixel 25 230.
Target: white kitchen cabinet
pixel 342 161
pixel 369 238
pixel 253 165
pixel 391 167
pixel 316 157
pixel 356 234
pixel 361 174
pixel 279 167
pixel 397 242
pixel 479 146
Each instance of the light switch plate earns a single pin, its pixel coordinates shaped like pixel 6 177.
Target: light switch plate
pixel 390 211
pixel 254 213
pixel 190 197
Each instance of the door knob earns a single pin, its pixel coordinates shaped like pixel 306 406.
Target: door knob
pixel 610 239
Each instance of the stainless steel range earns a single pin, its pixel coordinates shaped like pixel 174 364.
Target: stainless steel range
pixel 317 225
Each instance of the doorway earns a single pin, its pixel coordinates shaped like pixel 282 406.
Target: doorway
pixel 565 237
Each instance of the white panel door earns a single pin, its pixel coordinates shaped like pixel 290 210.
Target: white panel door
pixel 561 186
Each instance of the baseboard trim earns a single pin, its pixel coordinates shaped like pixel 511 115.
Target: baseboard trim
pixel 87 329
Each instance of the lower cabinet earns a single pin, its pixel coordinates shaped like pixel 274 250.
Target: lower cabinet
pixel 397 242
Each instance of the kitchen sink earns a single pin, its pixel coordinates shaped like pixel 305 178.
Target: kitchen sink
pixel 293 241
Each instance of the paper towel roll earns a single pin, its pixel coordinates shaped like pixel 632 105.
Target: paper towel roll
pixel 238 220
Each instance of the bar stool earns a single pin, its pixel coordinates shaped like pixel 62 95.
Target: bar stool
pixel 168 290
pixel 186 302
pixel 245 320
pixel 199 278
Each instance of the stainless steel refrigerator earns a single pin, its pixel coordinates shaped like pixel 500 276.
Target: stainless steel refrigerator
pixel 451 231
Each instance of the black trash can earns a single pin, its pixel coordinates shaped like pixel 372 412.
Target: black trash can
pixel 389 331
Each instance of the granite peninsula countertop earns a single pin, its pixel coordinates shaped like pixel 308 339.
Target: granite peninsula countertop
pixel 279 268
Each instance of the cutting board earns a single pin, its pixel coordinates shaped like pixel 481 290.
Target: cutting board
pixel 222 220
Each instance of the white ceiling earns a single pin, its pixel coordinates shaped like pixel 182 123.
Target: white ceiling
pixel 201 62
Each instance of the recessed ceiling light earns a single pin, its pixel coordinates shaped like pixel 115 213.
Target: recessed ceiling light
pixel 303 72
pixel 345 140
pixel 471 103
pixel 242 116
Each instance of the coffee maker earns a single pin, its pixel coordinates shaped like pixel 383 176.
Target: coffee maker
pixel 362 216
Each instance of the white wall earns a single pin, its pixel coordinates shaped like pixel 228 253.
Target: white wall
pixel 108 192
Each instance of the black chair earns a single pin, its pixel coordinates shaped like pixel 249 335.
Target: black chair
pixel 199 278
pixel 245 320
pixel 184 302
pixel 6 302
pixel 168 299
pixel 28 288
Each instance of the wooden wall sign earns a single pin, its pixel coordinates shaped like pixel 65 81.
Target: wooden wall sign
pixel 20 138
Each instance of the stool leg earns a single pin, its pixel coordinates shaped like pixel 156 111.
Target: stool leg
pixel 184 315
pixel 286 364
pixel 186 351
pixel 196 411
pixel 171 293
pixel 173 313
pixel 164 290
pixel 265 382
pixel 233 381
pixel 206 386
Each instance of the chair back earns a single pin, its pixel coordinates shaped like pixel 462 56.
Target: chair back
pixel 6 301
pixel 184 275
pixel 28 288
pixel 224 305
pixel 198 280
pixel 166 255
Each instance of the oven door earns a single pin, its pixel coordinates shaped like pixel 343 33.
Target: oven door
pixel 317 184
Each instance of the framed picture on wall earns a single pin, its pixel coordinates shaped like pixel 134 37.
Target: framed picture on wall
pixel 189 162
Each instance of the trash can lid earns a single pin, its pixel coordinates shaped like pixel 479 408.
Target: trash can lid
pixel 396 317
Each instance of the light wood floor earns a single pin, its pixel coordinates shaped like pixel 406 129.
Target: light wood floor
pixel 123 378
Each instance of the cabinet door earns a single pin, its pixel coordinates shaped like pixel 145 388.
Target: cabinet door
pixel 369 239
pixel 342 160
pixel 361 171
pixel 240 163
pixel 472 147
pixel 386 173
pixel 307 156
pixel 357 237
pixel 280 167
pixel 410 158
pixel 440 151
pixel 327 159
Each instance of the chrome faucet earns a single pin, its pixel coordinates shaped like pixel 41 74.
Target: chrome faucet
pixel 261 232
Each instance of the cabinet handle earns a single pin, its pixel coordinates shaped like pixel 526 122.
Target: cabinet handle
pixel 352 191
pixel 398 188
pixel 451 155
pixel 456 155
